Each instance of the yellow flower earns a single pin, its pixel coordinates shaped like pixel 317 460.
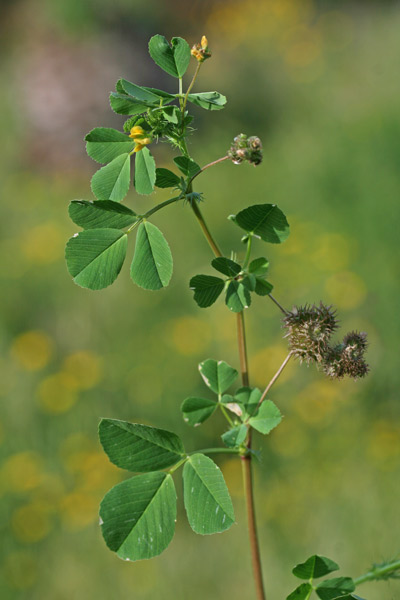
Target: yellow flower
pixel 204 42
pixel 136 132
pixel 141 143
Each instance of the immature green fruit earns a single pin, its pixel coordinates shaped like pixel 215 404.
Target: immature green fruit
pixel 244 148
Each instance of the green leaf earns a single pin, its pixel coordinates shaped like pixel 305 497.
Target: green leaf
pixel 101 213
pixel 140 93
pixel 112 181
pixel 152 263
pixel 267 417
pixel 103 144
pixel 303 592
pixel 187 166
pixel 250 282
pixel 166 178
pixel 95 257
pixel 126 105
pixel 145 172
pixel 259 266
pixel 208 100
pixel 331 589
pixel 171 114
pixel 265 220
pixel 226 266
pixel 160 93
pixel 314 567
pixel 173 59
pixel 206 289
pixel 263 287
pixel 234 437
pixel 139 448
pixel 217 375
pixel 197 410
pixel 207 502
pixel 249 399
pixel 237 296
pixel 138 516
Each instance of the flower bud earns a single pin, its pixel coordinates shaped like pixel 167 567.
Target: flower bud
pixel 136 132
pixel 244 148
pixel 201 51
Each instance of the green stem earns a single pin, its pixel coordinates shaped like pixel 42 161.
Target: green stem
pixel 178 464
pixel 248 252
pixel 217 451
pixel 152 211
pixel 206 231
pixel 225 413
pixel 190 86
pixel 378 572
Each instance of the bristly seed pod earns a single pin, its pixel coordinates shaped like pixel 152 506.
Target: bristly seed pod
pixel 309 329
pixel 347 358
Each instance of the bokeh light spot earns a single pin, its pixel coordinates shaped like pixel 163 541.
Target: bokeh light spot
pixel 189 335
pixel 43 244
pixel 57 393
pixel 32 349
pixel 30 523
pixel 22 472
pixel 346 290
pixel 83 369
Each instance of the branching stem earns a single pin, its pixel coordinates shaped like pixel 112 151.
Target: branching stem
pixel 211 164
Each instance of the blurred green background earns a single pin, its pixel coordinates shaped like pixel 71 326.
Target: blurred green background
pixel 317 82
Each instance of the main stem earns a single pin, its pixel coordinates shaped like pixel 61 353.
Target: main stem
pixel 246 460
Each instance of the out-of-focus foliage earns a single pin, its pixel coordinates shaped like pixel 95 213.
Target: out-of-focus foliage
pixel 325 104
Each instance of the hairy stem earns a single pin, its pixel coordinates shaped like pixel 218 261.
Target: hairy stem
pixel 378 572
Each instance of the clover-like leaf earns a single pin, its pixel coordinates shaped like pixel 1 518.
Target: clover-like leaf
pixel 314 567
pixel 112 181
pixel 265 220
pixel 174 58
pixel 267 417
pixel 196 410
pixel 152 263
pixel 139 448
pixel 95 257
pixel 103 144
pixel 207 501
pixel 101 214
pixel 138 516
pixel 145 172
pixel 206 289
pixel 217 375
